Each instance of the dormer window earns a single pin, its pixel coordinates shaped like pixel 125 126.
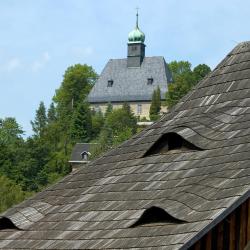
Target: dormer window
pixel 84 156
pixel 171 142
pixel 156 215
pixel 110 83
pixel 150 81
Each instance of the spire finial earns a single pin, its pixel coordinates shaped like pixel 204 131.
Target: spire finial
pixel 137 17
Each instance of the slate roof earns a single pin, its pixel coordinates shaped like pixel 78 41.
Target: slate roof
pixel 130 84
pixel 95 207
pixel 78 149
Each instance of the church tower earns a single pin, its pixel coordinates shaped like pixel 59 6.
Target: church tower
pixel 136 46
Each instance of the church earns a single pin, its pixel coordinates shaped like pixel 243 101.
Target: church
pixel 132 79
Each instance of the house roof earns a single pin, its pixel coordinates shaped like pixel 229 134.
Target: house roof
pixel 130 84
pixel 78 149
pixel 103 205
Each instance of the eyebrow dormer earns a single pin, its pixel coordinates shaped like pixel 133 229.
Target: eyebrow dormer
pixel 6 223
pixel 171 142
pixel 156 215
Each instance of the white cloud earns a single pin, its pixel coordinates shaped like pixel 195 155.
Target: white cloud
pixel 41 62
pixel 12 64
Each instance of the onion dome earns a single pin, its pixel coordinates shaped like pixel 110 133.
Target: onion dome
pixel 136 35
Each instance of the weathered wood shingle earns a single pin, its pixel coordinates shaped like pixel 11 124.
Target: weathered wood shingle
pixel 95 207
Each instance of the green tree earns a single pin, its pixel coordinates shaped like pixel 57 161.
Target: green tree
pixel 11 147
pixel 109 109
pixel 97 123
pixel 155 107
pixel 81 127
pixel 76 84
pixel 51 115
pixel 10 131
pixel 10 193
pixel 40 122
pixel 184 79
pixel 119 120
pixel 200 71
pixel 179 67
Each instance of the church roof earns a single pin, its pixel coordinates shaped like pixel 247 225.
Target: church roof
pixel 130 84
pixel 144 195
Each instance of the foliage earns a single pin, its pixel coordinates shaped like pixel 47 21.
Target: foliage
pixel 76 84
pixel 155 106
pixel 10 131
pixel 120 119
pixel 119 125
pixel 184 79
pixel 109 109
pixel 40 122
pixel 97 123
pixel 51 115
pixel 81 126
pixel 200 71
pixel 10 193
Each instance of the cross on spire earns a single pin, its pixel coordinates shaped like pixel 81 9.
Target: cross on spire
pixel 137 17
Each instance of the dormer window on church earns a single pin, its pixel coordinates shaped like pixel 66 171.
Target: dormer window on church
pixel 110 83
pixel 150 81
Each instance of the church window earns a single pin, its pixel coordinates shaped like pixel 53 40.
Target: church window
pixel 150 81
pixel 139 109
pixel 110 83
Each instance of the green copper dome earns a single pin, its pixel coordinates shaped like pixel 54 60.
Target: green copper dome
pixel 136 35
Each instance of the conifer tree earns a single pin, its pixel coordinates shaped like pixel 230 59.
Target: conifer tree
pixel 51 113
pixel 81 126
pixel 155 106
pixel 97 123
pixel 109 109
pixel 40 122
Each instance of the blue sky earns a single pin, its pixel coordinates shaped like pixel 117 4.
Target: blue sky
pixel 40 39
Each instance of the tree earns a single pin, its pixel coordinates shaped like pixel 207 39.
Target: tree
pixel 155 106
pixel 121 119
pixel 200 71
pixel 184 79
pixel 179 67
pixel 51 115
pixel 11 147
pixel 76 84
pixel 10 193
pixel 40 122
pixel 109 109
pixel 10 130
pixel 97 123
pixel 81 126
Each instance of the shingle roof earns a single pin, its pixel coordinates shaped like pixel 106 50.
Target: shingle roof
pixel 95 207
pixel 130 84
